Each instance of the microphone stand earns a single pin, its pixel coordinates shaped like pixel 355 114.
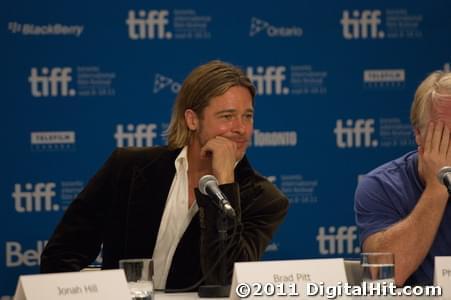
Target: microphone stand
pixel 222 289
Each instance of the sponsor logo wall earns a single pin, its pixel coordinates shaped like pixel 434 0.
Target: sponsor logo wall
pixel 334 89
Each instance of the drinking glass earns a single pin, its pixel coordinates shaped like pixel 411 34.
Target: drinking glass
pixel 378 267
pixel 139 275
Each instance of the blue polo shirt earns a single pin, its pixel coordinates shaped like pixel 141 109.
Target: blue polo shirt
pixel 387 195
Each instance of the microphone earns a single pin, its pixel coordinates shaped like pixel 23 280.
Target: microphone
pixel 444 176
pixel 208 185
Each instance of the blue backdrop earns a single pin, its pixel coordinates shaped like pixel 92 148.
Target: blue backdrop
pixel 335 80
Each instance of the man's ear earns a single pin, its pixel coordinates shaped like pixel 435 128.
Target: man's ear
pixel 191 119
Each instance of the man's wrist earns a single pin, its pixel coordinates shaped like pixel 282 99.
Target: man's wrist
pixel 437 190
pixel 226 178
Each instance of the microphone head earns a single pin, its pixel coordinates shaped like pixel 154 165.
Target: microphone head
pixel 204 181
pixel 442 174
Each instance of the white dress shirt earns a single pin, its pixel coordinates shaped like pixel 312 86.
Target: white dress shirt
pixel 176 218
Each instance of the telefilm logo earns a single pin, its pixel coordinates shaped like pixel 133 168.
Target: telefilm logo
pixel 162 82
pixel 259 25
pixel 269 80
pixel 52 140
pixel 51 82
pixel 17 256
pixel 139 135
pixel 355 133
pixel 341 240
pixel 150 25
pixel 29 29
pixel 37 197
pixel 362 24
pixel 384 77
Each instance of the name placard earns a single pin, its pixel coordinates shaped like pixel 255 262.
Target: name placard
pixel 257 280
pixel 442 275
pixel 108 284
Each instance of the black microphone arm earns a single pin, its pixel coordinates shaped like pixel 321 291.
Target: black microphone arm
pixel 444 176
pixel 208 185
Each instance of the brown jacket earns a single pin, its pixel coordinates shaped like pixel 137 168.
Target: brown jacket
pixel 122 205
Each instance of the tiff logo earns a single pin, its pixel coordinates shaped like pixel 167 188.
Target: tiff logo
pixel 141 135
pixel 268 80
pixel 362 24
pixel 51 82
pixel 35 198
pixel 337 241
pixel 355 134
pixel 148 25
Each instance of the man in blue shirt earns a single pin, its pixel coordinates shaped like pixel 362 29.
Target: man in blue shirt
pixel 401 206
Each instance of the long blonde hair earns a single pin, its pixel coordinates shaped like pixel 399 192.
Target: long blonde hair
pixel 202 84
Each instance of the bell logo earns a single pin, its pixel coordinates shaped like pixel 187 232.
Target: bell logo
pixel 355 134
pixel 16 257
pixel 268 80
pixel 148 25
pixel 51 82
pixel 337 241
pixel 35 198
pixel 362 25
pixel 141 135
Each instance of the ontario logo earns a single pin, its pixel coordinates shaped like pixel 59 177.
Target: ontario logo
pixel 162 82
pixel 259 25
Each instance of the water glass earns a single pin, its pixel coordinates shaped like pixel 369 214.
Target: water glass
pixel 139 275
pixel 378 267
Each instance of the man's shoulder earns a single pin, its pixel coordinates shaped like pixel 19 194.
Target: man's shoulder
pixel 141 156
pixel 396 177
pixel 400 166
